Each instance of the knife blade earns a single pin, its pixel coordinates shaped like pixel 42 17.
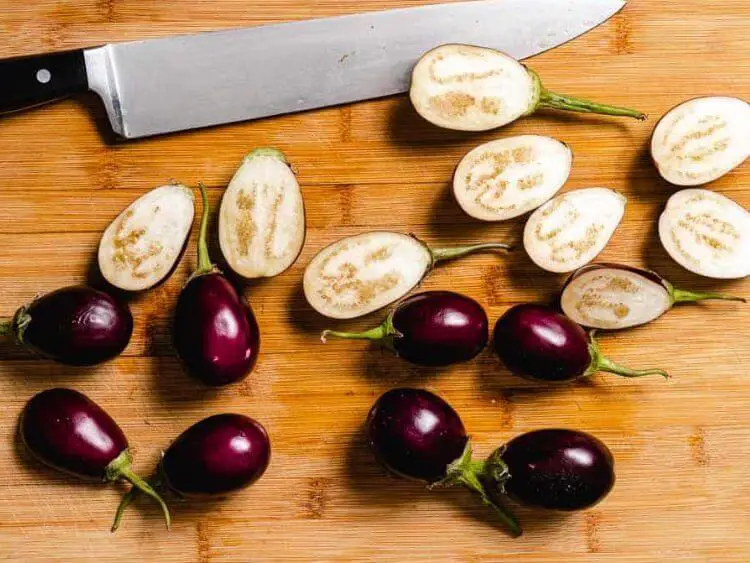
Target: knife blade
pixel 186 82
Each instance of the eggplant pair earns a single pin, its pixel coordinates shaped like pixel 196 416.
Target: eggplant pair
pixel 66 430
pixel 417 435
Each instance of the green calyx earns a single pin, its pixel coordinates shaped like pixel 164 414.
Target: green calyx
pixel 601 363
pixel 121 468
pixel 543 98
pixel 17 325
pixel 477 476
pixel 267 151
pixel 384 332
pixel 684 296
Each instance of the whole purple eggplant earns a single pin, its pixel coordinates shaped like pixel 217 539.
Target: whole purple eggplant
pixel 77 325
pixel 69 432
pixel 434 328
pixel 215 332
pixel 219 454
pixel 416 434
pixel 556 469
pixel 536 342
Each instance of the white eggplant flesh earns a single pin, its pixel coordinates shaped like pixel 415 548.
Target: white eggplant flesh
pixel 707 233
pixel 468 88
pixel 262 216
pixel 361 274
pixel 506 178
pixel 573 228
pixel 143 244
pixel 614 297
pixel 701 140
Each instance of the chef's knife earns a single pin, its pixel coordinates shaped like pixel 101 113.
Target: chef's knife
pixel 185 82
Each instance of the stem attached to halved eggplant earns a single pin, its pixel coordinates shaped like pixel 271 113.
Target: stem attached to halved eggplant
pixel 601 363
pixel 684 296
pixel 204 260
pixel 442 254
pixel 547 99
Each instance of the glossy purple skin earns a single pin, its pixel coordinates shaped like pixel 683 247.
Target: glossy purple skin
pixel 77 325
pixel 558 469
pixel 70 432
pixel 415 434
pixel 215 331
pixel 537 342
pixel 440 328
pixel 219 454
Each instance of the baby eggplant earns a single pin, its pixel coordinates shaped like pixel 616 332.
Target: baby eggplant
pixel 361 274
pixel 218 455
pixel 144 243
pixel 554 469
pixel 536 342
pixel 69 432
pixel 262 216
pixel 573 228
pixel 707 233
pixel 215 332
pixel 614 296
pixel 76 325
pixel 434 328
pixel 417 435
pixel 469 88
pixel 701 140
pixel 506 178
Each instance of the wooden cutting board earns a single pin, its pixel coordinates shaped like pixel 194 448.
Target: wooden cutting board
pixel 682 446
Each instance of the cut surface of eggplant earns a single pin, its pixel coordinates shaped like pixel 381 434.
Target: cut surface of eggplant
pixel 570 230
pixel 707 233
pixel 701 140
pixel 506 178
pixel 143 244
pixel 262 216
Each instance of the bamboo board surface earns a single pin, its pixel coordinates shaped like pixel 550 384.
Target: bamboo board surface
pixel 683 492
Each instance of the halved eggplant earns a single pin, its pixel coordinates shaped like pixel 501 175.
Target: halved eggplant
pixel 142 246
pixel 506 178
pixel 615 296
pixel 363 273
pixel 701 140
pixel 573 228
pixel 469 88
pixel 707 233
pixel 262 216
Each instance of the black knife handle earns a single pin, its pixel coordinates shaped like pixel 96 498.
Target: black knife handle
pixel 38 79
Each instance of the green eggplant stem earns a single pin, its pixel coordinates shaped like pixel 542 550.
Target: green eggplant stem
pixel 602 363
pixel 204 260
pixel 6 328
pixel 547 99
pixel 683 296
pixel 568 103
pixel 441 254
pixel 470 474
pixel 121 468
pixel 380 332
pixel 127 498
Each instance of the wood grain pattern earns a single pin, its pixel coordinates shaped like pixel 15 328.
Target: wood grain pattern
pixel 681 446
